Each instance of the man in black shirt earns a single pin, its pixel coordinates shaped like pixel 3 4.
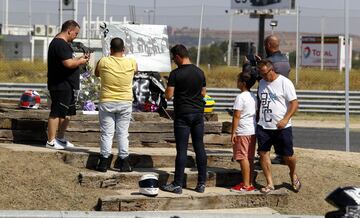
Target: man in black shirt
pixel 63 79
pixel 187 85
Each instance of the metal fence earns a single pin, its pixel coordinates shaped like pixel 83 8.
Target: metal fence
pixel 313 101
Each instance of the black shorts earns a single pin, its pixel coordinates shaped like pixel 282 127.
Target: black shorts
pixel 62 103
pixel 282 140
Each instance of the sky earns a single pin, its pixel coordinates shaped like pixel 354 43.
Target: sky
pixel 186 13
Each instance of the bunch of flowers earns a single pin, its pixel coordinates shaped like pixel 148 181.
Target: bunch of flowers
pixel 89 89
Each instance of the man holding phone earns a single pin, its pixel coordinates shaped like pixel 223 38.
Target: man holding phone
pixel 63 80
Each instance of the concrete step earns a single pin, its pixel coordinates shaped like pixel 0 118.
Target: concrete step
pixel 141 157
pixel 42 114
pixel 213 198
pixel 114 179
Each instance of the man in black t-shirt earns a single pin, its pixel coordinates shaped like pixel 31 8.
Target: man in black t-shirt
pixel 187 85
pixel 63 79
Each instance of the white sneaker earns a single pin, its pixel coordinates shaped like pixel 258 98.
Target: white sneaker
pixel 65 143
pixel 54 145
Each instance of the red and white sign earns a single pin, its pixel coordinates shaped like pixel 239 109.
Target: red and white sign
pixel 334 51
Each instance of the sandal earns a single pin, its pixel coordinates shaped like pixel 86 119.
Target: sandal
pixel 267 189
pixel 296 184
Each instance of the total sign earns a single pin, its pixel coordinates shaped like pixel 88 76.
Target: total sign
pixel 334 51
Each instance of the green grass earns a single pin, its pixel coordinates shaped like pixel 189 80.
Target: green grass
pixel 308 78
pixel 217 76
pixel 23 71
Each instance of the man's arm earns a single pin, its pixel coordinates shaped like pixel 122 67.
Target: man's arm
pixel 169 92
pixel 73 63
pixel 293 106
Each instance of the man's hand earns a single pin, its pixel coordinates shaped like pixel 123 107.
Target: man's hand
pixel 85 58
pixel 87 55
pixel 282 123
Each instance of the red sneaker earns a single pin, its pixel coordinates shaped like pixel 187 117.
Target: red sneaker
pixel 248 189
pixel 237 187
pixel 243 188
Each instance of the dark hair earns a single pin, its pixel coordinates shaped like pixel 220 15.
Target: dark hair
pixel 179 50
pixel 247 78
pixel 69 24
pixel 265 62
pixel 117 44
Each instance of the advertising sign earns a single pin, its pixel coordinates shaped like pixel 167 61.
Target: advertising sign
pixel 262 4
pixel 148 44
pixel 311 51
pixel 334 51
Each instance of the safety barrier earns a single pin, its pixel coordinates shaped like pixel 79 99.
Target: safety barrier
pixel 309 100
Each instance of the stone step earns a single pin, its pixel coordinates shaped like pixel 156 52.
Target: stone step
pixel 44 114
pixel 37 135
pixel 164 126
pixel 114 179
pixel 213 198
pixel 141 157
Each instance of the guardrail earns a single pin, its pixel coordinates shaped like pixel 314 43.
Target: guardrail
pixel 309 100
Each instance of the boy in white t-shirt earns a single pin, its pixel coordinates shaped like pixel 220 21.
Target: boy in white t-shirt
pixel 243 131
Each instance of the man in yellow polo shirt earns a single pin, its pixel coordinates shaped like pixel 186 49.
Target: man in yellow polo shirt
pixel 116 73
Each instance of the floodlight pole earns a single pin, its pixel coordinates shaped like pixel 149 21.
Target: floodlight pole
pixel 154 12
pixel 104 10
pixel 75 12
pixel 347 70
pixel 30 13
pixel 60 13
pixel 200 35
pixel 322 44
pixel 297 43
pixel 230 39
pixel 261 35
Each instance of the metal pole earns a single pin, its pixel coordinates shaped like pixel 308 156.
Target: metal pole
pixel 6 22
pixel 230 39
pixel 237 56
pixel 322 44
pixel 347 71
pixel 200 35
pixel 60 13
pixel 30 22
pixel 154 11
pixel 88 21
pixel 104 10
pixel 261 35
pixel 76 6
pixel 297 43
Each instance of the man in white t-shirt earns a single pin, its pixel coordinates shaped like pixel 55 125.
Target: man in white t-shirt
pixel 278 103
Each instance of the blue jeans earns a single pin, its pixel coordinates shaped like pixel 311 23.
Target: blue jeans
pixel 185 124
pixel 114 116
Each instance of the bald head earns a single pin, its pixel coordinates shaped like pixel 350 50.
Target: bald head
pixel 272 44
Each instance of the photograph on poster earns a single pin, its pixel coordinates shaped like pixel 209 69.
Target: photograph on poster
pixel 148 44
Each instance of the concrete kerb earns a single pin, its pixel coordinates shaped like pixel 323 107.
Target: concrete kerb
pixel 238 213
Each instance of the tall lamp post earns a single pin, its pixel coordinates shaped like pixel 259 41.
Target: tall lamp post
pixel 273 23
pixel 231 15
